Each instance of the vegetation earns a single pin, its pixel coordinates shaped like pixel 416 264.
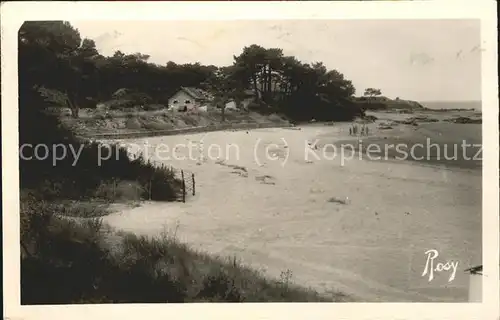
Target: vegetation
pixel 78 258
pixel 372 99
pixel 85 262
pixel 78 177
pixel 282 83
pixel 372 92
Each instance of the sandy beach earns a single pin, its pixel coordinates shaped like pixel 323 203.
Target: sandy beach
pixel 358 226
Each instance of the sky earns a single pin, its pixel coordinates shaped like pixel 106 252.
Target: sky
pixel 424 60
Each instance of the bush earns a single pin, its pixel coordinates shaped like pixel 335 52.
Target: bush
pixel 119 104
pixel 154 107
pixel 138 98
pixel 114 190
pixel 76 179
pixel 102 115
pixel 254 106
pixel 83 262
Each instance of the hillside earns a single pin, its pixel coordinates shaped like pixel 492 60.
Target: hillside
pixel 93 122
pixel 384 103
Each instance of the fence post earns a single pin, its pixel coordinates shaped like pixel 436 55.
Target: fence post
pixel 183 187
pixel 194 188
pixel 150 186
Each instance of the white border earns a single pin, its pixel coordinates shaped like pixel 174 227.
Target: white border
pixel 14 13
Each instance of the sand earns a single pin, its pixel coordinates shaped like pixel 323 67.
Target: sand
pixel 357 226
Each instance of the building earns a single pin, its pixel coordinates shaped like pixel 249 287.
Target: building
pixel 247 98
pixel 188 98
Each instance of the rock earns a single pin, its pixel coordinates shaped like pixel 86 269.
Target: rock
pixel 465 120
pixel 385 127
pixel 370 118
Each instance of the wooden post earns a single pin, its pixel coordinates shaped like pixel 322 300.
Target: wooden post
pixel 192 175
pixel 475 284
pixel 183 187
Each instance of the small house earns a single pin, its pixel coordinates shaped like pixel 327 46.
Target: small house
pixel 247 98
pixel 188 98
pixel 231 105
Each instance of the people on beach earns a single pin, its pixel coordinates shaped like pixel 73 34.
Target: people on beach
pixel 355 130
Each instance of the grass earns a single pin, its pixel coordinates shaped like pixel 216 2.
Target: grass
pixel 84 261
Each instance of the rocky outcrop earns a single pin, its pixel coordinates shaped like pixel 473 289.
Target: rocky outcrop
pixel 387 104
pixel 464 120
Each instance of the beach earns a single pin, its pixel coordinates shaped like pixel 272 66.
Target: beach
pixel 356 225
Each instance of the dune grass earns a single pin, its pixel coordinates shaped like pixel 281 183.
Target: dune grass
pixel 84 261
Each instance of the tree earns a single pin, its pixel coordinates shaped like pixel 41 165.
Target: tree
pixel 252 61
pixel 279 82
pixel 371 93
pixel 225 85
pixel 52 54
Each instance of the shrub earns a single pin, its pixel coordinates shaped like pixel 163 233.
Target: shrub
pixel 82 262
pixel 113 190
pixel 139 98
pixel 154 107
pixel 119 104
pixel 72 178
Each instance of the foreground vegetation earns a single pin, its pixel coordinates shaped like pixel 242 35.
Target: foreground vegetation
pixel 68 256
pixel 82 261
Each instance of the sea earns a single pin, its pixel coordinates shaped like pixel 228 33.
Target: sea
pixel 452 104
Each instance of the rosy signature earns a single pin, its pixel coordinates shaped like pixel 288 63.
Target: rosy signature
pixel 431 266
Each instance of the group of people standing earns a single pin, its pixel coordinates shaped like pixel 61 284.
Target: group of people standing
pixel 356 130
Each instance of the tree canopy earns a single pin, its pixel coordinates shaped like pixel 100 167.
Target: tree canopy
pixel 52 54
pixel 372 92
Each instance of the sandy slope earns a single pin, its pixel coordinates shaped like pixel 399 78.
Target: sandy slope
pixel 371 247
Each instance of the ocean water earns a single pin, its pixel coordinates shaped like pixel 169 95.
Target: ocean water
pixel 452 104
